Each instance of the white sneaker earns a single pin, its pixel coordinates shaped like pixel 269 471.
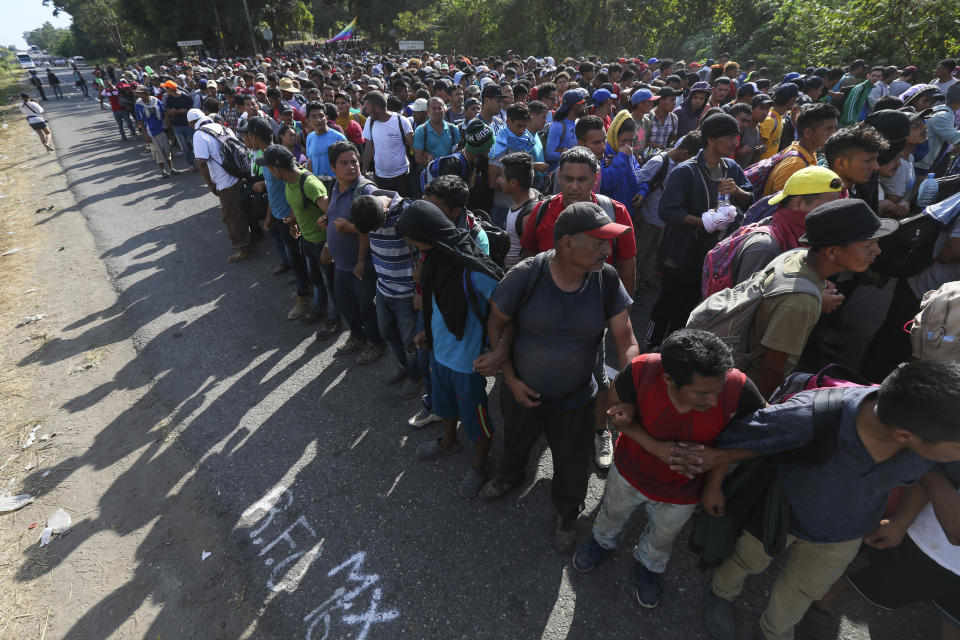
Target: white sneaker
pixel 603 450
pixel 423 418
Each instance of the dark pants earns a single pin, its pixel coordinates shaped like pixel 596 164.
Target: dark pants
pixel 295 258
pixel 43 96
pixel 57 91
pixel 423 363
pixel 397 320
pixel 124 116
pixel 891 344
pixel 570 436
pixel 355 301
pixel 400 184
pixel 234 217
pixel 679 295
pixel 277 229
pixel 321 276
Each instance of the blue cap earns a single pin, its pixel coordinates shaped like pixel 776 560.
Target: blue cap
pixel 602 95
pixel 642 95
pixel 786 91
pixel 793 75
pixel 652 61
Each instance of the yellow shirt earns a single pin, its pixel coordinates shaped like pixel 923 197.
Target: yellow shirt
pixel 787 167
pixel 770 130
pixel 344 122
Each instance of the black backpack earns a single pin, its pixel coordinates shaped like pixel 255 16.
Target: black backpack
pixel 524 211
pixel 498 238
pixel 235 157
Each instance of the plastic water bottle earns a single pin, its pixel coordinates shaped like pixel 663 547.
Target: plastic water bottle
pixel 725 211
pixel 927 194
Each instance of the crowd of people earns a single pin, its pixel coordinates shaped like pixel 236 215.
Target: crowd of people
pixel 499 217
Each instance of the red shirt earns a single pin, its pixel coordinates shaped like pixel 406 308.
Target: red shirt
pixel 114 97
pixel 540 237
pixel 644 471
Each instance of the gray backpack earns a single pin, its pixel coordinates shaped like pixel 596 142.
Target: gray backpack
pixel 729 313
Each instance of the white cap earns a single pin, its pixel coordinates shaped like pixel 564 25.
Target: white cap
pixel 420 104
pixel 195 114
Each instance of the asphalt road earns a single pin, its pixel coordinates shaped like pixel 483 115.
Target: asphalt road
pixel 308 461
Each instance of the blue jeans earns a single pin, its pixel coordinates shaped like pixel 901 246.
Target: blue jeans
pixel 355 299
pixel 423 362
pixel 120 117
pixel 184 135
pixel 397 320
pixel 321 275
pixel 277 229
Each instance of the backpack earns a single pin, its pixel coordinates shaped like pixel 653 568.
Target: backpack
pixel 935 331
pixel 758 211
pixel 455 164
pixel 539 262
pixel 498 239
pixel 717 266
pixel 540 210
pixel 328 183
pixel 543 133
pixel 235 157
pixel 729 313
pixel 759 172
pixel 524 212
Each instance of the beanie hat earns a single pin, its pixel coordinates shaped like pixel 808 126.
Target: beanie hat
pixel 719 125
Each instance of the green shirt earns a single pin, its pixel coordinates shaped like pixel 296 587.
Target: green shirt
pixel 307 216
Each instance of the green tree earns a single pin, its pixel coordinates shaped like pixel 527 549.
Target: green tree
pixel 45 37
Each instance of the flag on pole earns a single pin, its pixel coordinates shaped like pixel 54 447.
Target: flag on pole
pixel 347 32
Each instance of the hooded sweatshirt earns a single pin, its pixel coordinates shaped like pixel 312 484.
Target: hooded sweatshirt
pixel 618 171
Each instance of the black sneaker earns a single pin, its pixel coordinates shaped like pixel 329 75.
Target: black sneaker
pixel 647 587
pixel 718 617
pixel 589 555
pixel 331 329
pixel 313 316
pixel 565 534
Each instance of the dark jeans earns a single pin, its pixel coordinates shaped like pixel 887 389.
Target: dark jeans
pixel 355 300
pixel 423 363
pixel 277 229
pixel 124 116
pixel 321 276
pixel 570 436
pixel 891 344
pixel 57 91
pixel 397 320
pixel 679 295
pixel 292 249
pixel 400 184
pixel 184 134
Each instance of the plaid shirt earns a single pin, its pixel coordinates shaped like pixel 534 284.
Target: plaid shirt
pixel 659 133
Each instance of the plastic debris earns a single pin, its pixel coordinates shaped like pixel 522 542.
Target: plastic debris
pixel 58 523
pixel 31 438
pixel 30 290
pixel 45 474
pixel 31 319
pixel 205 555
pixel 12 503
pixel 33 525
pixel 10 251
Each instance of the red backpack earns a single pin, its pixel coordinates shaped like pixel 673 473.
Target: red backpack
pixel 759 172
pixel 717 266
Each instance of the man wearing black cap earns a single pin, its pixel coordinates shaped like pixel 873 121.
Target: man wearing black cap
pixel 784 98
pixel 490 107
pixel 559 302
pixel 691 189
pixel 842 236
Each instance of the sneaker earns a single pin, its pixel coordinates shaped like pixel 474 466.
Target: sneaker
pixel 371 352
pixel 313 316
pixel 281 269
pixel 603 449
pixel 163 174
pixel 589 555
pixel 410 388
pixel 434 450
pixel 399 375
pixel 495 489
pixel 718 616
pixel 647 587
pixel 423 418
pixel 472 482
pixel 240 255
pixel 300 309
pixel 331 329
pixel 352 345
pixel 565 534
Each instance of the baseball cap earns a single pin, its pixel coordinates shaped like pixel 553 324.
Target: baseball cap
pixel 571 97
pixel 276 155
pixel 478 137
pixel 786 91
pixel 491 90
pixel 914 115
pixel 642 95
pixel 808 181
pixel 602 95
pixel 760 100
pixel 668 92
pixel 169 84
pixel 845 221
pixel 747 89
pixel 700 86
pixel 588 218
pixel 420 104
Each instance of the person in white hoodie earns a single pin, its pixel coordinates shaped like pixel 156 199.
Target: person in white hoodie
pixel 35 119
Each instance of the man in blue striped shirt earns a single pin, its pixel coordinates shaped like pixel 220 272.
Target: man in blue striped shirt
pixel 377 216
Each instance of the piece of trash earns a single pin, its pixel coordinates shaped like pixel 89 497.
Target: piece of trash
pixel 33 525
pixel 30 290
pixel 58 523
pixel 28 467
pixel 47 436
pixel 205 555
pixel 10 251
pixel 12 503
pixel 60 249
pixel 31 319
pixel 31 438
pixel 4 465
pixel 45 474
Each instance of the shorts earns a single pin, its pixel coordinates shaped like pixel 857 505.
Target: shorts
pixel 160 147
pixel 461 395
pixel 38 126
pixel 904 575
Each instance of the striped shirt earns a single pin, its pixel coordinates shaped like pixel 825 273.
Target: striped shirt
pixel 391 255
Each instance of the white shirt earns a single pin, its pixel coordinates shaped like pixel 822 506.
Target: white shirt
pixel 943 86
pixel 33 111
pixel 928 535
pixel 389 148
pixel 207 147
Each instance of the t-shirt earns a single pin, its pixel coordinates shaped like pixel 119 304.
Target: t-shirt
pixel 389 146
pixel 902 181
pixel 927 532
pixel 643 470
pixel 391 255
pixel 938 273
pixel 784 322
pixel 317 150
pixel 754 255
pixel 540 237
pixel 650 209
pixel 558 332
pixel 308 214
pixel 770 130
pixel 180 101
pixel 114 97
pixel 460 354
pixel 277 196
pixel 749 138
pixel 788 166
pixel 345 247
pixel 33 111
pixel 207 147
pixel 150 113
pixel 426 138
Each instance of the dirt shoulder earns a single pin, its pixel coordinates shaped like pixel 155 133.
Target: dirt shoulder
pixel 81 431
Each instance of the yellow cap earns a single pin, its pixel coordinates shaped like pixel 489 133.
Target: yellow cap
pixel 808 181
